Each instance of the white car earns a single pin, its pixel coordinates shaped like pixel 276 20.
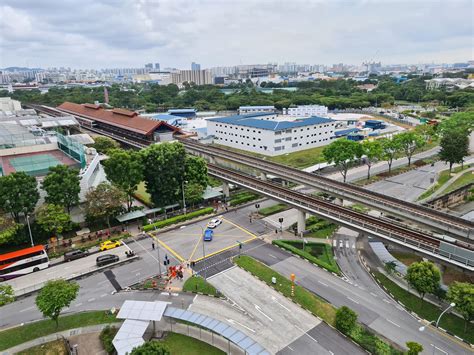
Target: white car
pixel 213 223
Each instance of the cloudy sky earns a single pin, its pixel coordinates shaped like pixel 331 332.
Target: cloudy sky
pixel 129 33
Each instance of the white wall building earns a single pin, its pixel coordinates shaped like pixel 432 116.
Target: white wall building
pixel 9 105
pixel 255 109
pixel 266 133
pixel 306 111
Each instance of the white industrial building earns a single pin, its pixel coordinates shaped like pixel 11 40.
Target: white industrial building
pixel 306 111
pixel 270 134
pixel 256 109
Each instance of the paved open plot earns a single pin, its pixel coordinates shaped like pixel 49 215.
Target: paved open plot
pixel 259 311
pixel 186 242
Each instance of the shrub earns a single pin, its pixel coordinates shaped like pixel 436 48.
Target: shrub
pixel 346 319
pixel 106 336
pixel 414 348
pixel 177 219
pixel 243 197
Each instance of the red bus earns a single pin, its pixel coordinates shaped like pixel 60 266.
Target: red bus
pixel 22 262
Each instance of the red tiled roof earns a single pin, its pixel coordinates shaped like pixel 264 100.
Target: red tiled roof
pixel 125 119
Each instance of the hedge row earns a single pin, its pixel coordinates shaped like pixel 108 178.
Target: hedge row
pixel 243 197
pixel 178 219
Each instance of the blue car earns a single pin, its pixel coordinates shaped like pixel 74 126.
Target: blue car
pixel 208 235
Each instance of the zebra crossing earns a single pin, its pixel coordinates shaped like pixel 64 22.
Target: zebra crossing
pixel 344 244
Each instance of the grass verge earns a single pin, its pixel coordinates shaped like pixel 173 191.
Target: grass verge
pixel 465 179
pixel 18 335
pixel 53 347
pixel 303 297
pixel 427 310
pixel 268 211
pixel 242 197
pixel 198 284
pixel 184 345
pixel 317 253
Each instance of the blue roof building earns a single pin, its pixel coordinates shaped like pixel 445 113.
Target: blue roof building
pixel 183 112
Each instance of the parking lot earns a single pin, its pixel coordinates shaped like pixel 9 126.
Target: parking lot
pixel 186 243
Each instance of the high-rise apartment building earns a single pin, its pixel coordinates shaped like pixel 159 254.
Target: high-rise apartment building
pixel 195 66
pixel 198 77
pixel 157 66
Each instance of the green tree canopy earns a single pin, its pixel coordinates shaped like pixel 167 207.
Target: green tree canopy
pixel 196 171
pixel 8 229
pixel 104 202
pixel 6 294
pixel 151 348
pixel 53 219
pixel 346 319
pixel 343 153
pixel 424 277
pixel 124 170
pixel 409 143
pixel 104 144
pixel 390 148
pixel 18 194
pixel 454 146
pixel 62 185
pixel 193 193
pixel 414 348
pixel 54 296
pixel 164 172
pixel 462 294
pixel 372 152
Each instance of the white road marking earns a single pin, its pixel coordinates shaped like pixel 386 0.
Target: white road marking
pixel 353 300
pixel 273 256
pixel 137 270
pixel 137 274
pixel 330 352
pixel 373 294
pixel 309 336
pixel 395 324
pixel 27 309
pixel 322 283
pixel 341 244
pixel 347 244
pixel 274 299
pixel 78 305
pixel 230 278
pixel 91 299
pixel 244 326
pixel 265 315
pixel 435 347
pixel 289 347
pixel 353 246
pixel 386 301
pixel 103 295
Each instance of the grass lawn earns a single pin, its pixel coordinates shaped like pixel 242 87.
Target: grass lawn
pixel 464 179
pixel 318 253
pixel 267 211
pixel 184 345
pixel 406 258
pixel 142 194
pixel 56 347
pixel 198 284
pixel 22 334
pixel 323 232
pixel 303 297
pixel 318 228
pixel 427 310
pixel 243 197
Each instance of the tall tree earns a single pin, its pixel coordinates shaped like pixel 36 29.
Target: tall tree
pixel 390 148
pixel 8 229
pixel 343 153
pixel 424 277
pixel 193 193
pixel 54 296
pixel 124 170
pixel 152 347
pixel 62 185
pixel 18 194
pixel 409 143
pixel 196 170
pixel 454 146
pixel 104 201
pixel 372 152
pixel 53 219
pixel 104 144
pixel 164 172
pixel 462 294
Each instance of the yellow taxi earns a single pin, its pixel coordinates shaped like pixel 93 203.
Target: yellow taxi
pixel 108 244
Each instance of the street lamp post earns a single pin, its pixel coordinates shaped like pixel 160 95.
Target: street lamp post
pixel 203 253
pixel 29 229
pixel 451 305
pixel 184 201
pixel 157 249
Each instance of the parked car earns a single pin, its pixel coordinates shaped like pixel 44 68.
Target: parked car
pixel 213 223
pixel 208 233
pixel 75 254
pixel 106 259
pixel 108 244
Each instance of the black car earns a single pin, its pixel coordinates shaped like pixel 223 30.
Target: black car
pixel 106 259
pixel 75 254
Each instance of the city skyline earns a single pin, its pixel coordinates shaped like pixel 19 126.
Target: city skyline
pixel 55 34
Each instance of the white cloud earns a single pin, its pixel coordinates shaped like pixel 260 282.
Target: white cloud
pixel 114 33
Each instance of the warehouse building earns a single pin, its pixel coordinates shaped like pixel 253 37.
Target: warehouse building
pixel 269 134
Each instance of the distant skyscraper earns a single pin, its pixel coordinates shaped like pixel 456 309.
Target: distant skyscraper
pixel 157 66
pixel 149 66
pixel 195 66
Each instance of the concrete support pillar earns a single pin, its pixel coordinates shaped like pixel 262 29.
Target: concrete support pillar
pixel 283 183
pixel 301 221
pixel 263 177
pixel 211 159
pixel 225 190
